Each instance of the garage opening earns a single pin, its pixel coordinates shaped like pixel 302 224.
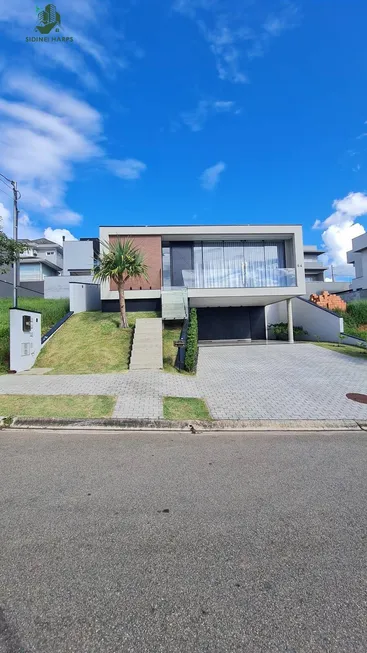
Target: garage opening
pixel 231 323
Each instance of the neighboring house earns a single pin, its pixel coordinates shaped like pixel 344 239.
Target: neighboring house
pixel 358 256
pixel 42 249
pixel 41 259
pixel 315 273
pixel 314 268
pixel 79 258
pixel 229 273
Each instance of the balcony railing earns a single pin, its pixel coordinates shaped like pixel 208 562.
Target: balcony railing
pixel 242 278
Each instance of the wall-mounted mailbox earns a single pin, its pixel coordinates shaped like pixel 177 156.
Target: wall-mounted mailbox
pixel 27 323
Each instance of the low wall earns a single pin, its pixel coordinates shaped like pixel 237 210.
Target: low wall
pixel 58 287
pixel 25 288
pixel 84 297
pixel 353 295
pixel 351 340
pixel 333 287
pixel 318 322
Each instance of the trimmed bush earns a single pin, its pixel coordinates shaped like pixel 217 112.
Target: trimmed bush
pixel 280 331
pixel 192 342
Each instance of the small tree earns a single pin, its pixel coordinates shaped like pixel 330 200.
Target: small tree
pixel 9 251
pixel 120 261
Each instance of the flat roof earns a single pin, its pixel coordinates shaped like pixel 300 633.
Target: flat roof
pixel 186 226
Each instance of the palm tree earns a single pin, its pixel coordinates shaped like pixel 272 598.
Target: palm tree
pixel 120 261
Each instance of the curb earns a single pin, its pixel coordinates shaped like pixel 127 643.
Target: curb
pixel 195 427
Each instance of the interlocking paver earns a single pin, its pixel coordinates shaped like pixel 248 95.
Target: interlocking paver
pixel 260 382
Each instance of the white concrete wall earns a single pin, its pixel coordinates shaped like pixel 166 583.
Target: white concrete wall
pixel 78 255
pixel 24 345
pixel 58 287
pixel 319 323
pixel 360 282
pixel 84 297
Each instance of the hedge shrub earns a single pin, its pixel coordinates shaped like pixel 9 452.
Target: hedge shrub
pixel 192 342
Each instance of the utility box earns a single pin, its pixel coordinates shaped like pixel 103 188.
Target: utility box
pixel 25 339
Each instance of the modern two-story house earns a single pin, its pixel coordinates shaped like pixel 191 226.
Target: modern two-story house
pixel 230 273
pixel 42 258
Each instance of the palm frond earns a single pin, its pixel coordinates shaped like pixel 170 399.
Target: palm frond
pixel 120 261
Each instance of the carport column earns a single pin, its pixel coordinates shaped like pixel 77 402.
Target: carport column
pixel 290 320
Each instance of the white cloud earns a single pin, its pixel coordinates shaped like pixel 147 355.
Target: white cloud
pixel 45 133
pixel 340 227
pixel 27 229
pixel 236 35
pixel 6 222
pixel 196 119
pixel 56 235
pixel 210 177
pixel 126 168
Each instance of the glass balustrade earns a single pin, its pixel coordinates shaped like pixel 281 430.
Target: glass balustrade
pixel 241 278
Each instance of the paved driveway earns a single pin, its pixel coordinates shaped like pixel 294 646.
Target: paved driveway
pixel 249 382
pixel 281 382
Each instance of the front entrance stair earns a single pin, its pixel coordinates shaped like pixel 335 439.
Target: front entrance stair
pixel 147 349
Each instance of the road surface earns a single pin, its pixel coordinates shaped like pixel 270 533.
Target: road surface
pixel 163 542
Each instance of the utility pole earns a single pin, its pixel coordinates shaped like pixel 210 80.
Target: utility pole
pixel 15 238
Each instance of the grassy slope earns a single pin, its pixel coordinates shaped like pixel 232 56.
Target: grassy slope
pixel 52 310
pixel 171 332
pixel 355 319
pixel 185 408
pixel 59 406
pixel 90 343
pixel 348 350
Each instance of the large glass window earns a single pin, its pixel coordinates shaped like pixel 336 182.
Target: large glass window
pixel 234 264
pixel 166 265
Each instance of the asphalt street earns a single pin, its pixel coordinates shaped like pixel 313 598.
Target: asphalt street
pixel 163 542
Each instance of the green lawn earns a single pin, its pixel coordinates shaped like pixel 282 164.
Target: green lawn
pixel 56 406
pixel 52 311
pixel 90 343
pixel 185 408
pixel 171 332
pixel 347 350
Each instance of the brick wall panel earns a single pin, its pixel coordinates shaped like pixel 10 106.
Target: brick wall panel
pixel 151 246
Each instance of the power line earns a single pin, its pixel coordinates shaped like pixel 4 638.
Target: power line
pixel 7 194
pixel 5 184
pixel 7 178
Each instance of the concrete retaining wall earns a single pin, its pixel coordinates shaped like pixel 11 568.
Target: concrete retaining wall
pixel 318 322
pixel 58 287
pixel 351 340
pixel 84 297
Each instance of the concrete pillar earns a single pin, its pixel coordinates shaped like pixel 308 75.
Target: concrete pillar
pixel 290 320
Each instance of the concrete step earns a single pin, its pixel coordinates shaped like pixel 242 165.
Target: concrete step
pixel 147 349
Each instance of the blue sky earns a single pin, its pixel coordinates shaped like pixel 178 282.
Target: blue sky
pixel 187 112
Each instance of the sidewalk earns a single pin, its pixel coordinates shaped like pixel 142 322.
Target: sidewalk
pixel 139 393
pixel 278 383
